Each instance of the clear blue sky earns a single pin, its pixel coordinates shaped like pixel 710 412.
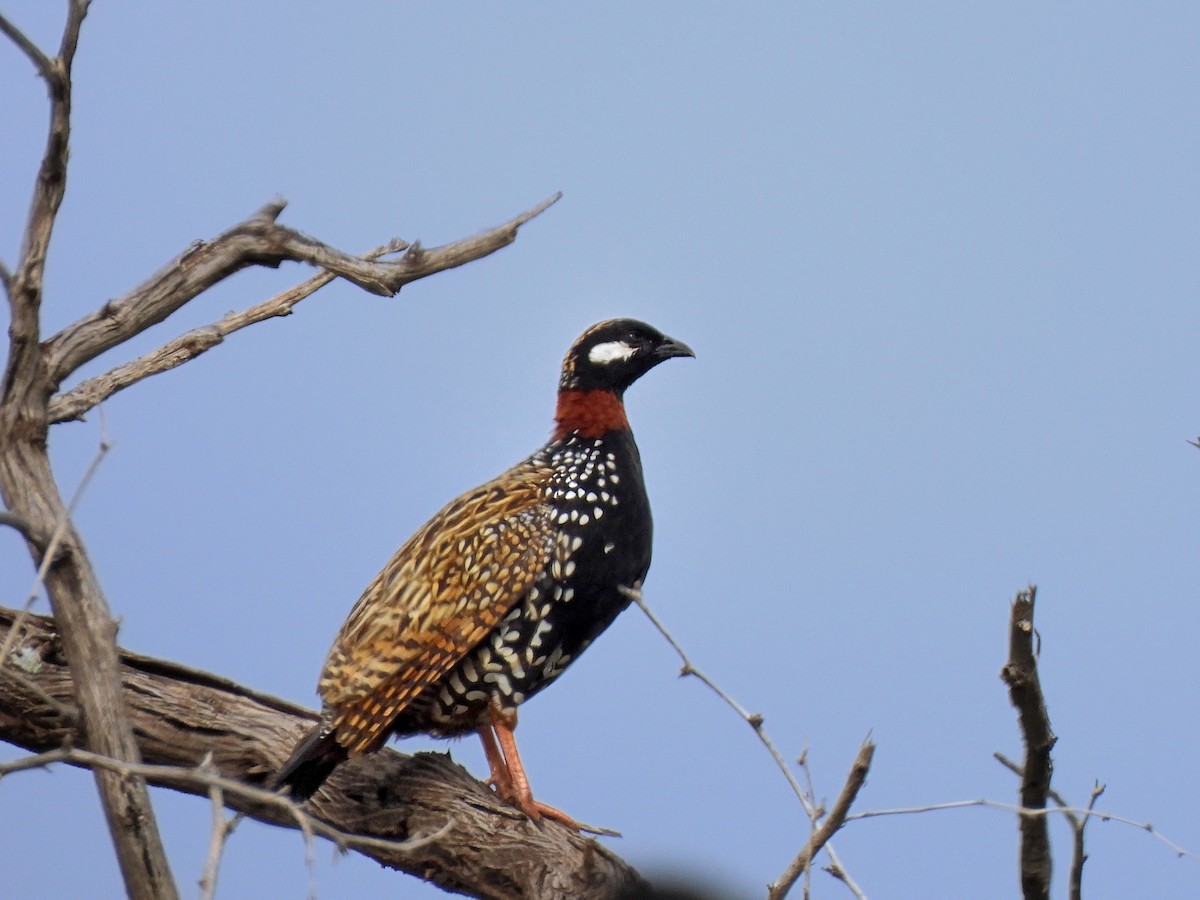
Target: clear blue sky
pixel 938 263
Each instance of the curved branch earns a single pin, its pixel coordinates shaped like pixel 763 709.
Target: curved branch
pixel 182 715
pixel 261 241
pixel 72 404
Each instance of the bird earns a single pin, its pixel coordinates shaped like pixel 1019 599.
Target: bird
pixel 494 597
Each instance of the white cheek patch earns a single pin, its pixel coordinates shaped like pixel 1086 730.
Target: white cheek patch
pixel 610 351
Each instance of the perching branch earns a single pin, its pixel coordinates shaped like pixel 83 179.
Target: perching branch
pixel 181 716
pixel 1025 691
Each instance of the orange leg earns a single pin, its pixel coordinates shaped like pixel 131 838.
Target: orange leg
pixel 498 776
pixel 508 774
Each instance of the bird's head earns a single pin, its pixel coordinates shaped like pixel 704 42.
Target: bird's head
pixel 612 355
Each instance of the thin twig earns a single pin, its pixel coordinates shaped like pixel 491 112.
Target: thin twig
pixel 216 843
pixel 1079 855
pixel 1082 812
pixel 834 821
pixel 51 550
pixel 754 720
pixel 814 819
pixel 198 776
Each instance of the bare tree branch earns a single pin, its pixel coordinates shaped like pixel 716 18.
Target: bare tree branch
pixel 76 11
pixel 41 62
pixel 1078 824
pixel 754 720
pixel 204 780
pixel 87 394
pixel 28 490
pixel 836 818
pixel 49 550
pixel 1025 692
pixel 221 829
pixel 1086 812
pixel 35 536
pixel 261 241
pixel 181 715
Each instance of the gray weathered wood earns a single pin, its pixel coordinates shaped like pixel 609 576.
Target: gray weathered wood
pixel 181 715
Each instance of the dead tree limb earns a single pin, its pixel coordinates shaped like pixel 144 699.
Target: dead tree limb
pixel 833 821
pixel 1077 821
pixel 1025 692
pixel 72 404
pixel 182 715
pixel 29 492
pixel 258 241
pixel 755 721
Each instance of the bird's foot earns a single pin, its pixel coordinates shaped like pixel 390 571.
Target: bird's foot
pixel 538 811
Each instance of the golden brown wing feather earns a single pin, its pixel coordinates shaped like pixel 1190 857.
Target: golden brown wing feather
pixel 438 596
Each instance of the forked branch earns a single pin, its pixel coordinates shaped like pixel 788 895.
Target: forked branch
pixel 755 721
pixel 258 241
pixel 829 826
pixel 1078 825
pixel 87 394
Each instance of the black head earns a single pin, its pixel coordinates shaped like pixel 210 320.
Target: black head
pixel 613 355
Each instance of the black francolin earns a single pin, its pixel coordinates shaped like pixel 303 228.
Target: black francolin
pixel 499 592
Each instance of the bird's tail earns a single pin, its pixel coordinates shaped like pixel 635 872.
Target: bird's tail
pixel 315 757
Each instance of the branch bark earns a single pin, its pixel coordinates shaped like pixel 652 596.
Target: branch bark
pixel 87 394
pixel 182 715
pixel 1025 692
pixel 1078 826
pixel 28 489
pixel 258 241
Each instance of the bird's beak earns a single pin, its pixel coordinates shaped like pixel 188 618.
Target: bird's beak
pixel 671 347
